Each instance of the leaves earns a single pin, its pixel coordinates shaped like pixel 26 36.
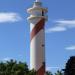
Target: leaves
pixel 70 66
pixel 13 67
pixel 59 73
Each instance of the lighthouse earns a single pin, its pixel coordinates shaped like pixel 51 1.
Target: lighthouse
pixel 37 21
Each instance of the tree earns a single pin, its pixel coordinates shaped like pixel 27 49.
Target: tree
pixel 21 68
pixel 13 68
pixel 9 67
pixel 48 73
pixel 2 68
pixel 58 73
pixel 70 66
pixel 32 72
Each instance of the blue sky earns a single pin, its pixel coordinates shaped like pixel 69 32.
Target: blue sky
pixel 59 31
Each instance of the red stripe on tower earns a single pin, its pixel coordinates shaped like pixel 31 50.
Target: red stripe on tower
pixel 35 31
pixel 37 28
pixel 41 70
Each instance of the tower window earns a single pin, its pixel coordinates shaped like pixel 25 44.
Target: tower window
pixel 43 45
pixel 42 13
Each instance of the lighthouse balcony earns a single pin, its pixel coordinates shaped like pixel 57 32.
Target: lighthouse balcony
pixel 34 10
pixel 33 17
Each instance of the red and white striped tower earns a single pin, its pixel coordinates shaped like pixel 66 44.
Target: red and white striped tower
pixel 37 20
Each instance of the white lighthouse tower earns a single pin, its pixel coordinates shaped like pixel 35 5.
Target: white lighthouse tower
pixel 37 20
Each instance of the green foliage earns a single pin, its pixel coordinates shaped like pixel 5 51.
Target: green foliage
pixel 19 68
pixel 70 66
pixel 59 73
pixel 48 73
pixel 13 68
pixel 32 72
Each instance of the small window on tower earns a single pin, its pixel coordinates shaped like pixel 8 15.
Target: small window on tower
pixel 43 45
pixel 42 13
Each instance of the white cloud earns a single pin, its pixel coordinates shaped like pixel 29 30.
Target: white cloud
pixel 50 68
pixel 6 59
pixel 70 47
pixel 56 29
pixel 61 25
pixel 9 17
pixel 66 23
